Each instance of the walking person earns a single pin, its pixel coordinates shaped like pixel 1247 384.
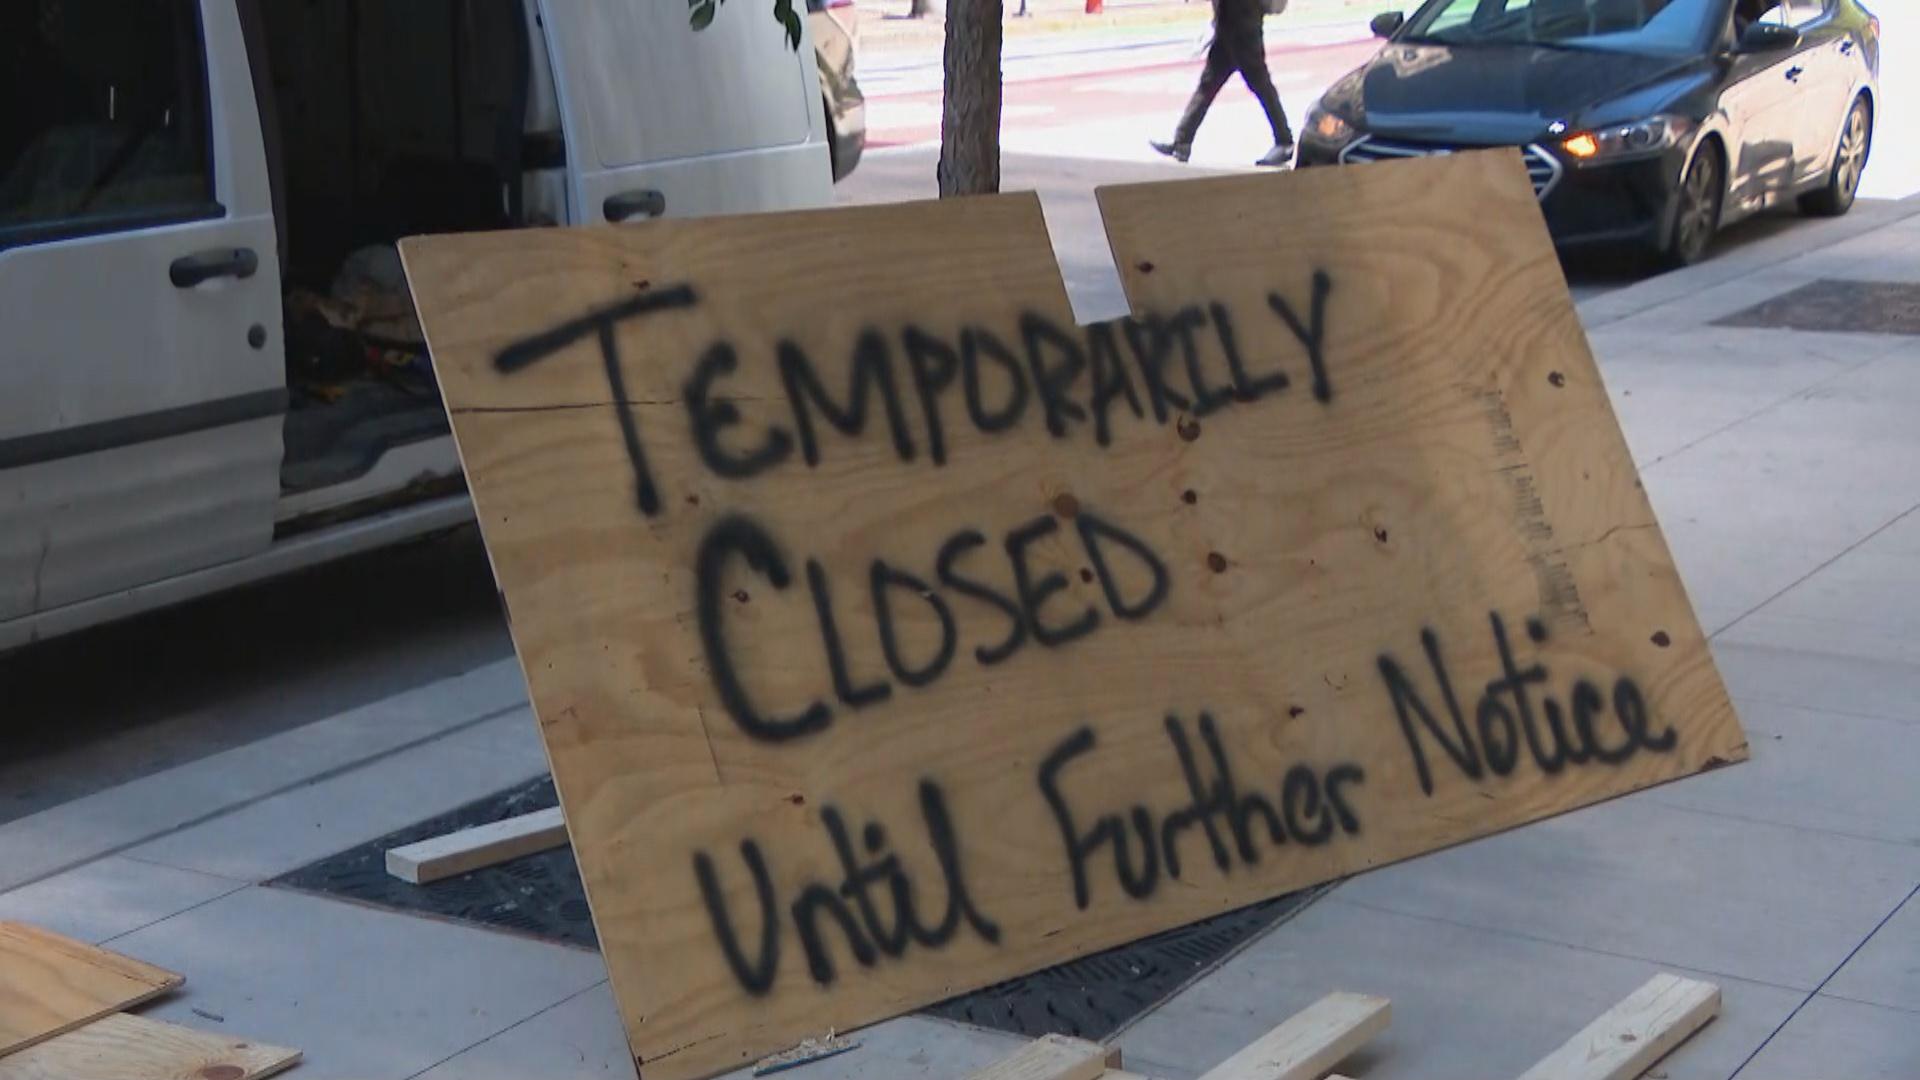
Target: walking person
pixel 1238 45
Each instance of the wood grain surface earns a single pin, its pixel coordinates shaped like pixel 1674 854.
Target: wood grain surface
pixel 127 1047
pixel 1170 622
pixel 50 984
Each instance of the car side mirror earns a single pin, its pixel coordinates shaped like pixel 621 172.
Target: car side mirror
pixel 1768 37
pixel 1388 23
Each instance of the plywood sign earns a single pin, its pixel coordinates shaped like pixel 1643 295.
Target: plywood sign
pixel 891 634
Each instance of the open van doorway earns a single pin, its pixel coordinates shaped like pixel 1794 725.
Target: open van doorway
pixel 383 120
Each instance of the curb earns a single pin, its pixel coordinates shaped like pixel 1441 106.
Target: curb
pixel 1772 253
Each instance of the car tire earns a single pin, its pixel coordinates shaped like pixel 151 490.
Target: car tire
pixel 1849 162
pixel 1696 209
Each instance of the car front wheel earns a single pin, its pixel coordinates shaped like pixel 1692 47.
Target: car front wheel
pixel 1696 214
pixel 1849 161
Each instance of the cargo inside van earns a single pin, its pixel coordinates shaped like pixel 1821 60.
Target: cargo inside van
pixel 384 120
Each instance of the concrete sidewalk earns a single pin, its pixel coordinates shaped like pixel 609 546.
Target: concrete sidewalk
pixel 1786 470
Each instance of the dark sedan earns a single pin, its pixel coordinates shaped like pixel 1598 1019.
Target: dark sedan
pixel 1649 122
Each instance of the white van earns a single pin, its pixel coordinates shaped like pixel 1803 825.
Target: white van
pixel 209 368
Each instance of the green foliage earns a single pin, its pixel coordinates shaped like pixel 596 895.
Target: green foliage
pixel 700 16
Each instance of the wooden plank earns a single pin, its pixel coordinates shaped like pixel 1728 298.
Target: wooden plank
pixel 1050 1057
pixel 1310 1042
pixel 1630 1037
pixel 1119 640
pixel 128 1047
pixel 51 984
pixel 430 860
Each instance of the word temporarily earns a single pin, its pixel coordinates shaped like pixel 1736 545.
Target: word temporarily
pixel 876 908
pixel 1161 366
pixel 1031 613
pixel 1505 716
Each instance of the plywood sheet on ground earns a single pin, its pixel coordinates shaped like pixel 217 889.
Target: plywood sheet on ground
pixel 891 635
pixel 51 984
pixel 126 1047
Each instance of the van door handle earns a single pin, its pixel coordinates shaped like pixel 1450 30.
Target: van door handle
pixel 1794 73
pixel 632 204
pixel 190 270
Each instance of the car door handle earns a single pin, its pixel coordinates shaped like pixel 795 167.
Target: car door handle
pixel 1846 47
pixel 189 270
pixel 632 204
pixel 1794 73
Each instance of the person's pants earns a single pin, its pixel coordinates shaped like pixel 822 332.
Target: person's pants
pixel 1235 48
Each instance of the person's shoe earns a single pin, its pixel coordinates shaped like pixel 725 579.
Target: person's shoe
pixel 1174 150
pixel 1279 157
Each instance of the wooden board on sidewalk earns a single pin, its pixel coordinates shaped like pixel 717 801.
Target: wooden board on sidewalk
pixel 1311 1041
pixel 51 984
pixel 1053 1057
pixel 1629 1038
pixel 127 1047
pixel 426 861
pixel 891 635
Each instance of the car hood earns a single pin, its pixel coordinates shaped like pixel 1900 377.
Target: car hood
pixel 1494 94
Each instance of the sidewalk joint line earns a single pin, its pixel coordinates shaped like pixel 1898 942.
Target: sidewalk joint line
pixel 1652 796
pixel 1804 578
pixel 318 778
pixel 1770 406
pixel 238 886
pixel 1873 1004
pixel 1754 697
pixel 1851 953
pixel 1539 940
pixel 509 1027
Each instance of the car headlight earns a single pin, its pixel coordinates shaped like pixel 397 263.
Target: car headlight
pixel 1618 141
pixel 1328 127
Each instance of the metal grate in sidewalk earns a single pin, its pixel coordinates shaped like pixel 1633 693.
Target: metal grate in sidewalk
pixel 1831 305
pixel 541 895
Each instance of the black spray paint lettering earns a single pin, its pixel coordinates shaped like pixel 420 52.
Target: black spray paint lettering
pixel 872 907
pixel 738 537
pixel 872 370
pixel 1505 719
pixel 1311 808
pixel 1077 374
pixel 1032 611
pixel 1312 335
pixel 710 416
pixel 600 325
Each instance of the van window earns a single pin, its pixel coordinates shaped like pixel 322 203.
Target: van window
pixel 652 89
pixel 106 121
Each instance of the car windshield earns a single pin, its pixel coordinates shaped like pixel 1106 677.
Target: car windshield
pixel 1652 26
